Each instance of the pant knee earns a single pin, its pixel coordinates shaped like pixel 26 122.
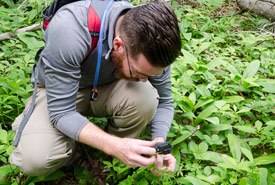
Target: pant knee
pixel 144 98
pixel 136 108
pixel 38 164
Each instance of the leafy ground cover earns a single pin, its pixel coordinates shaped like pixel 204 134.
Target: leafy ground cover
pixel 223 86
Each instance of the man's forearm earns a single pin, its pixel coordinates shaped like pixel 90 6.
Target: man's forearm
pixel 97 138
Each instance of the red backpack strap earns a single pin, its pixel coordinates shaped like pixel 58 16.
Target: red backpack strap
pixel 94 28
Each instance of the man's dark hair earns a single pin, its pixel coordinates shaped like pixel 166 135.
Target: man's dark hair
pixel 152 30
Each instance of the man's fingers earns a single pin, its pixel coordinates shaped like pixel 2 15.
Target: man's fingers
pixel 171 162
pixel 159 161
pixel 146 143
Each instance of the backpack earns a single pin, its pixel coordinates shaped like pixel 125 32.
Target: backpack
pixel 93 19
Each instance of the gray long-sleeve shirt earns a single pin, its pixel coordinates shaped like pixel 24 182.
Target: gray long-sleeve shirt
pixel 62 67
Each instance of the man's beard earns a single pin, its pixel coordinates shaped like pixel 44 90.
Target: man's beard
pixel 119 73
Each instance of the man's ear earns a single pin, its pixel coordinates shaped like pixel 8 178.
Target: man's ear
pixel 118 45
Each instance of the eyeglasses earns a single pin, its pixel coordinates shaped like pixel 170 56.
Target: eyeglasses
pixel 141 76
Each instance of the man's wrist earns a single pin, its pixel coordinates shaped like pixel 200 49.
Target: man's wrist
pixel 159 139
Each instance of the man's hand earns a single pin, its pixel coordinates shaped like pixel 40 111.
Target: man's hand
pixel 164 162
pixel 127 150
pixel 130 152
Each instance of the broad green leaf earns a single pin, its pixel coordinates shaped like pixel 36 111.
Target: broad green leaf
pixel 219 127
pixel 193 147
pixel 201 103
pixel 251 69
pixel 247 153
pixel 187 36
pixel 3 136
pixel 229 162
pixel 250 82
pixel 269 127
pixel 219 104
pixel 189 57
pixel 244 109
pixel 268 87
pixel 206 112
pixel 263 176
pixel 233 99
pixel 181 138
pixel 214 63
pixel 265 159
pixel 182 180
pixel 192 97
pixel 195 181
pixel 254 141
pixel 212 156
pixel 143 182
pixel 258 125
pixel 5 182
pixel 214 120
pixel 210 178
pixel 207 170
pixel 234 145
pixel 4 170
pixel 203 47
pixel 203 147
pixel 54 176
pixel 201 89
pixel 246 129
pixel 232 69
pixel 177 155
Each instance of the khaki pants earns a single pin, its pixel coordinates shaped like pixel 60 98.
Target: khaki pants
pixel 43 149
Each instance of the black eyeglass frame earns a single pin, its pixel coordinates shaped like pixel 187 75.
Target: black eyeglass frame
pixel 130 71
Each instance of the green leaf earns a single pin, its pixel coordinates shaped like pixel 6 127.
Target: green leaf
pixel 184 134
pixel 212 156
pixel 206 112
pixel 244 109
pixel 203 47
pixel 4 170
pixel 234 145
pixel 233 99
pixel 258 125
pixel 246 129
pixel 265 159
pixel 247 153
pixel 251 69
pixel 193 147
pixel 214 63
pixel 207 170
pixel 201 103
pixel 268 87
pixel 187 36
pixel 3 136
pixel 219 127
pixel 195 181
pixel 263 176
pixel 143 182
pixel 203 147
pixel 5 182
pixel 214 120
pixel 54 176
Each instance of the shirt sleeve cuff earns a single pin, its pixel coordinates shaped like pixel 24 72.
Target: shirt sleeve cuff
pixel 71 124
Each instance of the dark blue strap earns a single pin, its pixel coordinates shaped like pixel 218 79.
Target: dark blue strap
pixel 28 115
